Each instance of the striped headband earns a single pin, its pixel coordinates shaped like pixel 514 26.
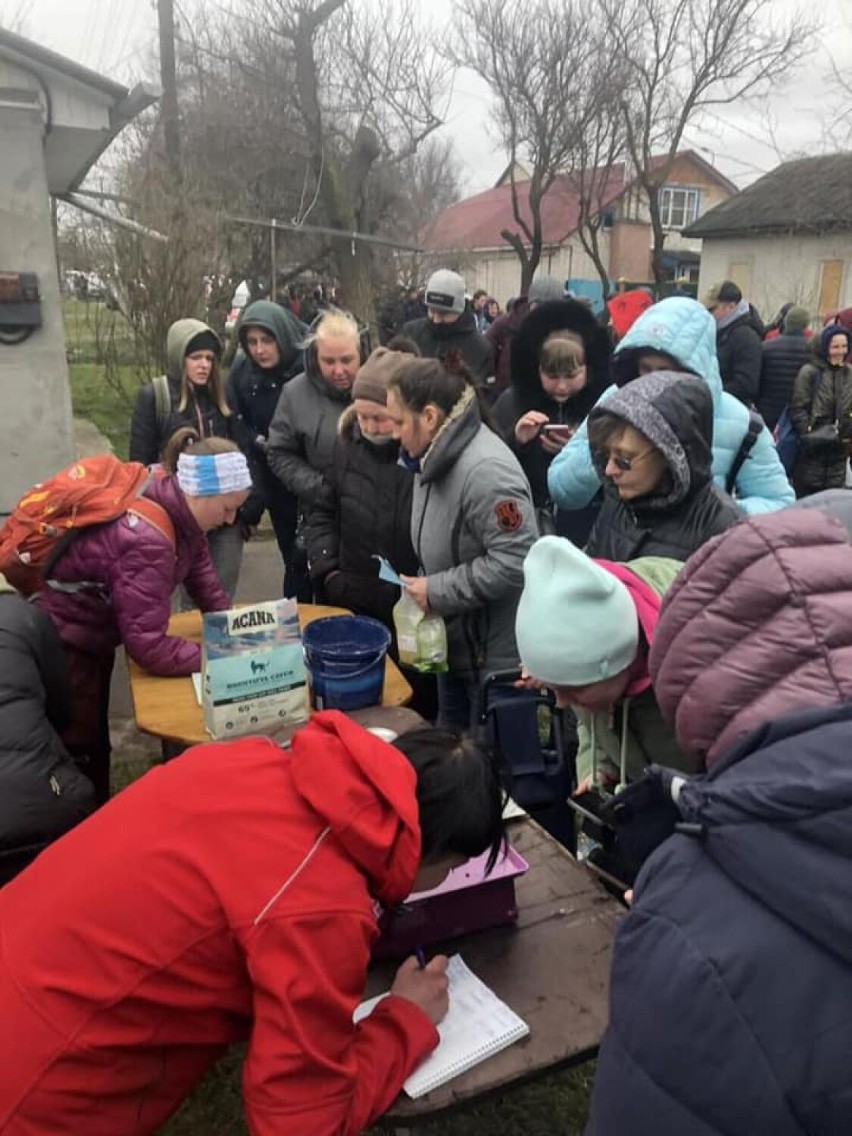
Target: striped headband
pixel 206 475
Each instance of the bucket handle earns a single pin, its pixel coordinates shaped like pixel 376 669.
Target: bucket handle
pixel 364 670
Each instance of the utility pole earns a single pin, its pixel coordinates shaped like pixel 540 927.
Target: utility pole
pixel 168 79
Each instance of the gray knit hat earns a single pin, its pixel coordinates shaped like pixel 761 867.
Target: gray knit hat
pixel 445 291
pixel 545 288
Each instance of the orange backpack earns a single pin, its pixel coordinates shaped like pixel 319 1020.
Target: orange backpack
pixel 92 491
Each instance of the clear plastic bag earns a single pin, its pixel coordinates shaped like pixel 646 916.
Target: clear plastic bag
pixel 421 637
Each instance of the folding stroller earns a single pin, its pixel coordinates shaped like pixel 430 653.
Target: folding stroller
pixel 535 745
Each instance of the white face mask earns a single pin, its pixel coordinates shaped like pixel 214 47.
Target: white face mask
pixel 377 439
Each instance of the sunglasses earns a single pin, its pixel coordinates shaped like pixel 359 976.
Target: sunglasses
pixel 621 462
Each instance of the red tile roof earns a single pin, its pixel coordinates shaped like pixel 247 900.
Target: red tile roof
pixel 477 221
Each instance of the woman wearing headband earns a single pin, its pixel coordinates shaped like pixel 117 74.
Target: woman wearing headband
pixel 113 585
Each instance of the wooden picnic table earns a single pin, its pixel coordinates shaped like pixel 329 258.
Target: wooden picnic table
pixel 167 708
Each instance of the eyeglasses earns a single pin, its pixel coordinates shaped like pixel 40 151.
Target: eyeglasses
pixel 621 462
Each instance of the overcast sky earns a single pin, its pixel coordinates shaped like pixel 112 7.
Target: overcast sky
pixel 115 37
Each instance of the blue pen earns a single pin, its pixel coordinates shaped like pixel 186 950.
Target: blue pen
pixel 420 955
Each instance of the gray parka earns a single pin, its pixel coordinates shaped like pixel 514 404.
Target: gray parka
pixel 472 524
pixel 303 432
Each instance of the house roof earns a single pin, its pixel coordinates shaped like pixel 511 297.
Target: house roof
pixel 16 47
pixel 809 195
pixel 477 222
pixel 83 111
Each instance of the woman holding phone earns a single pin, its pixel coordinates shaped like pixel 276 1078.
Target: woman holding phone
pixel 560 367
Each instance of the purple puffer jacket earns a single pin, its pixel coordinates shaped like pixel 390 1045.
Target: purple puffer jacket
pixel 757 625
pixel 137 569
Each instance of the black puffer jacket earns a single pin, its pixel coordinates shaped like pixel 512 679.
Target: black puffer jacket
pixel 42 792
pixel 435 340
pixel 303 432
pixel 783 358
pixel 526 392
pixel 366 513
pixel 739 351
pixel 675 413
pixel 822 395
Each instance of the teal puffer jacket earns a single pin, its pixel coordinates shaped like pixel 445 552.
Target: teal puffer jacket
pixel 684 329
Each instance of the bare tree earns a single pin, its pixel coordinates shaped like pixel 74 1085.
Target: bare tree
pixel 368 89
pixel 542 62
pixel 684 56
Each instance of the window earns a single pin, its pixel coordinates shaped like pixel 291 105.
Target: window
pixel 678 207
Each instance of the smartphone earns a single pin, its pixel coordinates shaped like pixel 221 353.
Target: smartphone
pixel 558 430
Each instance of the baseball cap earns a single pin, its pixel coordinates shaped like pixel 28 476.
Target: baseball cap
pixel 725 293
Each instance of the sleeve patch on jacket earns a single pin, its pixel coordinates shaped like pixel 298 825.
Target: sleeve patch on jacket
pixel 508 515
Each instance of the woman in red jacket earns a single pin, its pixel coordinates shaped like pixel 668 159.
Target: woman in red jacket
pixel 232 895
pixel 113 585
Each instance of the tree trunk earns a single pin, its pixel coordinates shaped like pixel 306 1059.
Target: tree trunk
pixel 657 232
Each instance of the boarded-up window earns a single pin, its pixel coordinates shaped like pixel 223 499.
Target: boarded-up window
pixel 740 272
pixel 830 279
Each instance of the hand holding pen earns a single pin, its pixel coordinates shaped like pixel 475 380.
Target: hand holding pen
pixel 424 983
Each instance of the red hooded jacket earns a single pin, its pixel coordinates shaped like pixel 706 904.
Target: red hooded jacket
pixel 226 896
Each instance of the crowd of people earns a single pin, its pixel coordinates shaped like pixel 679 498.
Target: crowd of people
pixel 603 510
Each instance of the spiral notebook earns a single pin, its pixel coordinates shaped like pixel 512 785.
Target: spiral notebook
pixel 477 1026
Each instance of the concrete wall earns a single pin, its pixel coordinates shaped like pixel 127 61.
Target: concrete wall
pixel 36 433
pixel 774 270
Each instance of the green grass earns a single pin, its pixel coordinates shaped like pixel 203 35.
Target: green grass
pixel 104 379
pixel 557 1103
pixel 103 404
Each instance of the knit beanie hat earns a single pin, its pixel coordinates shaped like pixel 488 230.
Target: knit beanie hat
pixel 445 291
pixel 205 341
pixel 796 319
pixel 545 288
pixel 576 623
pixel 373 376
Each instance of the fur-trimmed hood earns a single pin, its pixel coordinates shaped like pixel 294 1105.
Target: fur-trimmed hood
pixel 457 429
pixel 540 322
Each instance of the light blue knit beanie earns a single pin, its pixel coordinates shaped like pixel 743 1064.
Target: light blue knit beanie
pixel 576 622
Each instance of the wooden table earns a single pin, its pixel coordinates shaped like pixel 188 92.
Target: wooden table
pixel 168 708
pixel 552 968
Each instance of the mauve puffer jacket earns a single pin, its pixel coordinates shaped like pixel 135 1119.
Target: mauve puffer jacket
pixel 135 569
pixel 757 624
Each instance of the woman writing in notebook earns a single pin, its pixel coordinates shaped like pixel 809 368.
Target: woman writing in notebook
pixel 232 895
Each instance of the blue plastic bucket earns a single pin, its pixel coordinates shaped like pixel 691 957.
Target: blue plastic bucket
pixel 345 660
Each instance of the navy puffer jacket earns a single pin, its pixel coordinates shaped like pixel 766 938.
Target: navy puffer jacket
pixel 731 992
